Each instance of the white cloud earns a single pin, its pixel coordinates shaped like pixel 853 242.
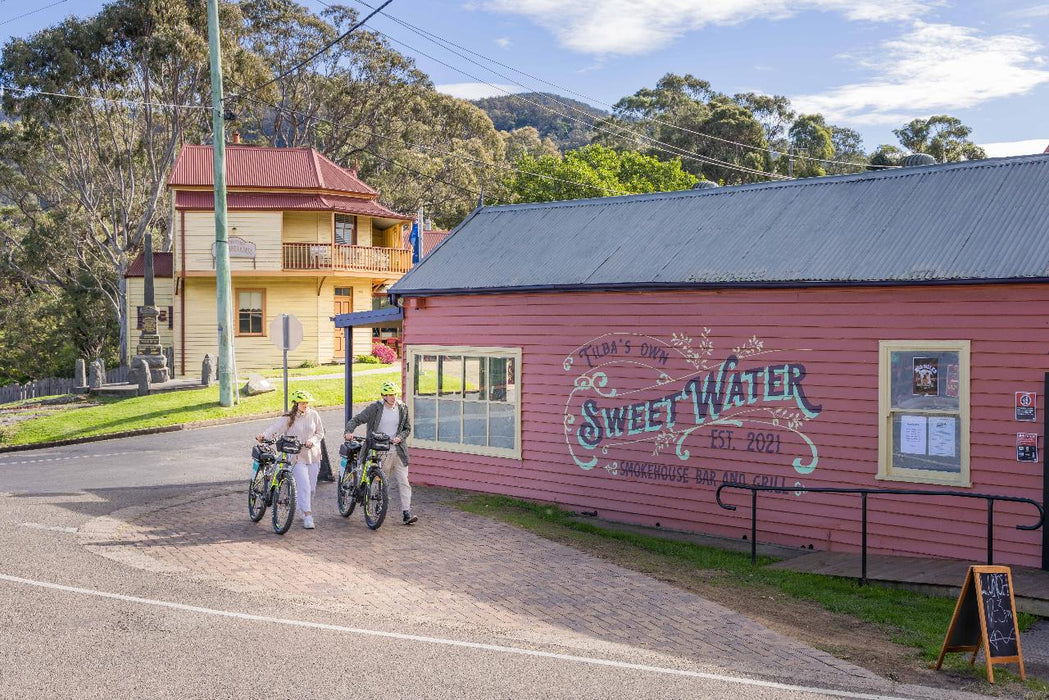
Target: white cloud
pixel 1034 11
pixel 1016 148
pixel 476 91
pixel 503 42
pixel 635 27
pixel 933 68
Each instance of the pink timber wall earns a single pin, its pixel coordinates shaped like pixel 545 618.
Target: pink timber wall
pixel 832 333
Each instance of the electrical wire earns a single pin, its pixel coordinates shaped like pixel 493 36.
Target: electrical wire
pixel 92 98
pixel 435 38
pixel 33 12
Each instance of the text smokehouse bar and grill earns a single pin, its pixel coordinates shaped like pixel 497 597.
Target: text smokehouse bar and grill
pixel 628 355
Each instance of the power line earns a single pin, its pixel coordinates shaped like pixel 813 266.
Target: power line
pixel 33 12
pixel 436 38
pixel 662 146
pixel 321 51
pixel 26 92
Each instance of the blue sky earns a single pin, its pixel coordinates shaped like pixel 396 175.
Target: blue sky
pixel 871 65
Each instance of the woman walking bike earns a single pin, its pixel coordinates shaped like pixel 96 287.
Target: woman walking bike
pixel 302 423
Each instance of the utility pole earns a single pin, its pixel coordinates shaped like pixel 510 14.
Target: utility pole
pixel 227 390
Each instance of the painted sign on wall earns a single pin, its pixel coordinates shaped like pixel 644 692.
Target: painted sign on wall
pixel 672 396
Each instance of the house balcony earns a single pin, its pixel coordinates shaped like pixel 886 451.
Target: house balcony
pixel 327 257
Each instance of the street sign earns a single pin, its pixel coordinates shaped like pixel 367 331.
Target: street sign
pixel 286 334
pixel 277 332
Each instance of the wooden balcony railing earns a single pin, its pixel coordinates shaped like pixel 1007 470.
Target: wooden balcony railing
pixel 350 258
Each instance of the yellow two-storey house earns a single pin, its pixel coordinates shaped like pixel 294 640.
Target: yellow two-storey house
pixel 306 237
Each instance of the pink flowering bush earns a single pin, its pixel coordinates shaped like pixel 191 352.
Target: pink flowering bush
pixel 386 354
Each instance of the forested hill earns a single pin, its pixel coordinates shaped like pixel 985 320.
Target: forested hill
pixel 515 111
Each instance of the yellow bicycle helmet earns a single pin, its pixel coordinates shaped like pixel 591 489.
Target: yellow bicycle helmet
pixel 388 388
pixel 301 395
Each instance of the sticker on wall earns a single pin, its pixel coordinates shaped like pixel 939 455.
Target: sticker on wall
pixel 1025 405
pixel 926 376
pixel 674 395
pixel 1027 447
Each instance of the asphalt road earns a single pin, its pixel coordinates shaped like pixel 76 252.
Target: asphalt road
pixel 76 624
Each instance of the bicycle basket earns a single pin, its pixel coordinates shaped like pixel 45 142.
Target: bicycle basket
pixel 380 442
pixel 349 449
pixel 289 445
pixel 263 454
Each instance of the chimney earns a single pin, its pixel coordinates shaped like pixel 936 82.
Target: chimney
pixel 236 137
pixel 355 168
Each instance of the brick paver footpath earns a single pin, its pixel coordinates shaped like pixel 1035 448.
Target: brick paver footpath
pixel 462 573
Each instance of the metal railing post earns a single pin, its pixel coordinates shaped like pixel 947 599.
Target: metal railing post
pixel 753 527
pixel 863 556
pixel 990 531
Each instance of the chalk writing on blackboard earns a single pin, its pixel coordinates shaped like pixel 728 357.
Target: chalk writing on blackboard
pixel 985 618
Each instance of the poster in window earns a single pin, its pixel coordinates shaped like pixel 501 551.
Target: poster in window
pixel 941 436
pixel 926 376
pixel 951 388
pixel 913 435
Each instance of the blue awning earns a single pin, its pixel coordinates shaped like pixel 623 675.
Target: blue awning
pixel 388 317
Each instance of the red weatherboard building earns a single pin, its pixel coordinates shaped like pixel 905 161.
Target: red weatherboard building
pixel 629 355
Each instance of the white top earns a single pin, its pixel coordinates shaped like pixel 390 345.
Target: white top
pixel 306 427
pixel 389 420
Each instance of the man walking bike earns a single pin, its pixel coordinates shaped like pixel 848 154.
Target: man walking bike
pixel 390 416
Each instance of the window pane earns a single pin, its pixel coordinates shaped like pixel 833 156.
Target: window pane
pixel 475 378
pixel 256 322
pixel 449 423
pixel 244 322
pixel 475 423
pixel 927 442
pixel 502 428
pixel 450 375
pixel 502 382
pixel 425 375
pixel 345 226
pixel 925 380
pixel 424 425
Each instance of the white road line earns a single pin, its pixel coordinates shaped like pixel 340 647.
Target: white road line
pixel 55 528
pixel 442 641
pixel 86 456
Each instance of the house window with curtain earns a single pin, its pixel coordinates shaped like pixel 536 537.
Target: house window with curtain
pixel 924 411
pixel 251 311
pixel 345 229
pixel 466 399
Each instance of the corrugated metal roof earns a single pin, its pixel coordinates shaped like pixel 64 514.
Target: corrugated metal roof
pixel 979 220
pixel 162 265
pixel 200 199
pixel 256 166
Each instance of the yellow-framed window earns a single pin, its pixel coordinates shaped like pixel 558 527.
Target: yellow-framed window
pixel 251 312
pixel 466 399
pixel 924 411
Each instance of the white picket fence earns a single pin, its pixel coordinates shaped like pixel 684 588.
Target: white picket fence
pixel 52 386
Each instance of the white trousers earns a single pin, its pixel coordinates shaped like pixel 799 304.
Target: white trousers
pixel 305 485
pixel 397 473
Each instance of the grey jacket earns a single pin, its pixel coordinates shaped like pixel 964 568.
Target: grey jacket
pixel 370 416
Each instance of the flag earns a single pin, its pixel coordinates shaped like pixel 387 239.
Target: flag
pixel 414 240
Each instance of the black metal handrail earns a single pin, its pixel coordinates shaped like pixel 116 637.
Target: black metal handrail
pixel 990 498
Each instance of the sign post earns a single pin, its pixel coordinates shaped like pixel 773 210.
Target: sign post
pixel 286 334
pixel 985 618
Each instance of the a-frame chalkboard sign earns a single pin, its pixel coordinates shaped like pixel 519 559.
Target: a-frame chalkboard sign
pixel 985 618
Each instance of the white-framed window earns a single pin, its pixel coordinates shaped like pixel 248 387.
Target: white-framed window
pixel 466 399
pixel 924 411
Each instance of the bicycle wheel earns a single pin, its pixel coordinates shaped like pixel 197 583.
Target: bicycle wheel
pixel 257 496
pixel 283 502
pixel 347 490
pixel 377 500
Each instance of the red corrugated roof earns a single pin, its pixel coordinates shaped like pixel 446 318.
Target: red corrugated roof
pixel 161 266
pixel 201 199
pixel 431 237
pixel 256 166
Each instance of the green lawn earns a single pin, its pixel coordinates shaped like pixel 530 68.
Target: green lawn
pixel 118 415
pixel 910 619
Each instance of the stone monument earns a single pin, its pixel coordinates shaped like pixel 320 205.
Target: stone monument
pixel 143 374
pixel 80 377
pixel 96 375
pixel 149 348
pixel 207 370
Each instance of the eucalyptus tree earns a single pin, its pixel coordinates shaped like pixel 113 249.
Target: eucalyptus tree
pixel 943 137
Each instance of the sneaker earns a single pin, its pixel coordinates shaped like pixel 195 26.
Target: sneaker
pixel 307 522
pixel 410 519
